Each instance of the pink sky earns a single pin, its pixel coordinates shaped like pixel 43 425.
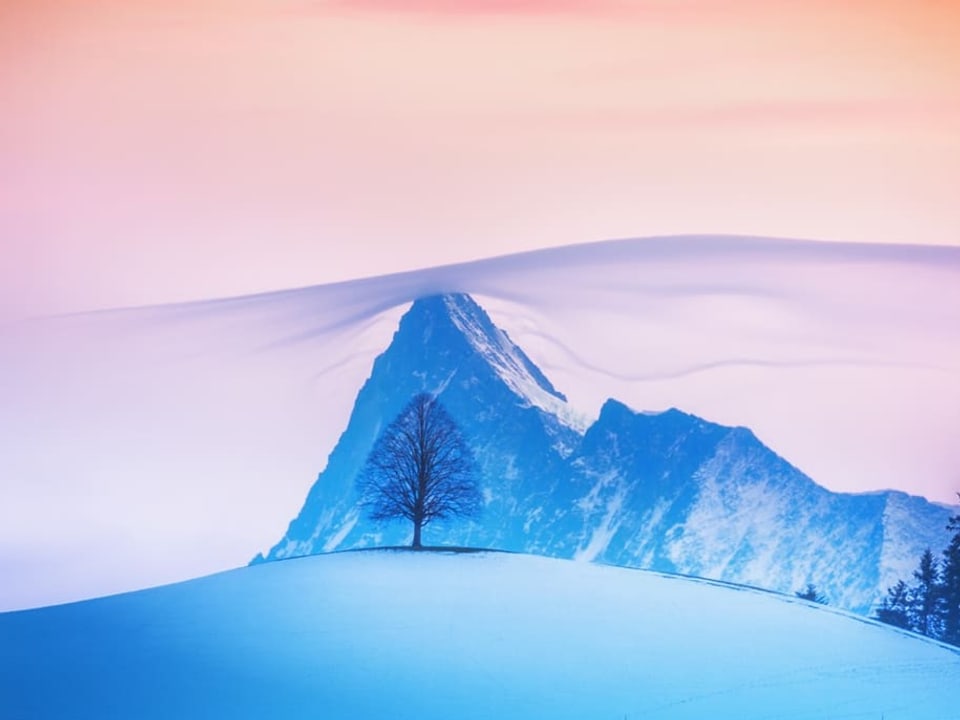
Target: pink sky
pixel 161 150
pixel 154 151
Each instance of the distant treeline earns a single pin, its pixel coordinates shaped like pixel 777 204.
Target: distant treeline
pixel 931 604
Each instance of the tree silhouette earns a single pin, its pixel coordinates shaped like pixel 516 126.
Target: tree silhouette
pixel 811 593
pixel 932 606
pixel 925 596
pixel 950 583
pixel 420 469
pixel 895 608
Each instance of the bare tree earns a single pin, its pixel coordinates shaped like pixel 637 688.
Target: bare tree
pixel 420 469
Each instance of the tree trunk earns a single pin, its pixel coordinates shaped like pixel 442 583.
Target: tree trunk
pixel 416 533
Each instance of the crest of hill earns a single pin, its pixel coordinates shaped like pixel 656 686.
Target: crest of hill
pixel 433 635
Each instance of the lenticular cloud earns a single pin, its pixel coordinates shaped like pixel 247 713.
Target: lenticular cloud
pixel 149 445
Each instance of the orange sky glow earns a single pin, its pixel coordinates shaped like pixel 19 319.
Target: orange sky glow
pixel 155 151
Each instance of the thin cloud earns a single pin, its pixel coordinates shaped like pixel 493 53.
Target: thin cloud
pixel 471 8
pixel 688 11
pixel 834 114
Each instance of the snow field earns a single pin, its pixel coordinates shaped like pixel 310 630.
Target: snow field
pixel 397 635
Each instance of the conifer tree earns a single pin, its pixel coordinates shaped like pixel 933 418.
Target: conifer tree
pixel 925 597
pixel 811 593
pixel 950 584
pixel 895 608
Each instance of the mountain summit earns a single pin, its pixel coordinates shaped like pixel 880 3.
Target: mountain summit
pixel 518 424
pixel 668 491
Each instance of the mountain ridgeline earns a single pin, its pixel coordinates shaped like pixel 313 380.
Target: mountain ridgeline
pixel 666 491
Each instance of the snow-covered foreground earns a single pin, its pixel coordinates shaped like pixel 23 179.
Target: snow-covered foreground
pixel 395 634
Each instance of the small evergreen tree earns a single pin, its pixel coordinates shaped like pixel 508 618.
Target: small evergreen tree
pixel 811 593
pixel 925 596
pixel 932 606
pixel 895 608
pixel 950 584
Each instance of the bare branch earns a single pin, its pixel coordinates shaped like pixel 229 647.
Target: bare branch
pixel 420 469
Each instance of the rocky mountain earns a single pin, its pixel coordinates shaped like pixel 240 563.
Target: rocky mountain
pixel 667 491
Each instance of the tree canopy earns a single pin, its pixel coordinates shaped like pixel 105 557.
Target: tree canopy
pixel 420 469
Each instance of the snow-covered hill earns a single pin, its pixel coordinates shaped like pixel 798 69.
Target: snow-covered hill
pixel 148 445
pixel 667 491
pixel 427 636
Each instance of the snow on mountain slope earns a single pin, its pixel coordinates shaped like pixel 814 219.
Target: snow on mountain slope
pixel 681 494
pixel 152 444
pixel 429 636
pixel 511 364
pixel 667 491
pixel 448 346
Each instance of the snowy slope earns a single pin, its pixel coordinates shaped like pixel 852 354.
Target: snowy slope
pixel 383 634
pixel 147 445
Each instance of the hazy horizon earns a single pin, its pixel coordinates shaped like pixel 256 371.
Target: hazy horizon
pixel 159 443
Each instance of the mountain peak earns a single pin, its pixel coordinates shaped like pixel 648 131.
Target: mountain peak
pixel 664 490
pixel 614 411
pixel 516 422
pixel 437 314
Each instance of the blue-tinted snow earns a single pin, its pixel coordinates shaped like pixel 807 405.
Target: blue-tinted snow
pixel 404 636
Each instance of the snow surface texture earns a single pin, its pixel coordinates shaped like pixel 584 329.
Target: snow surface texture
pixel 143 446
pixel 667 491
pixel 425 636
